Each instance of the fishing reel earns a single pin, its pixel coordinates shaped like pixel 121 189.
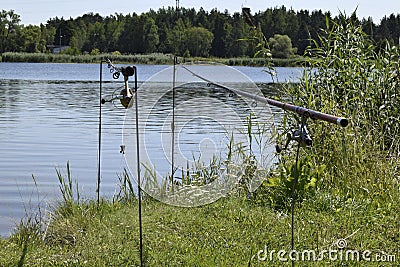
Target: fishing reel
pixel 122 96
pixel 125 95
pixel 300 135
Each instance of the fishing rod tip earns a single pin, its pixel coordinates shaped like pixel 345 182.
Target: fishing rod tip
pixel 342 122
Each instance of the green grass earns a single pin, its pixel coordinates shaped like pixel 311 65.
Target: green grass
pixel 226 233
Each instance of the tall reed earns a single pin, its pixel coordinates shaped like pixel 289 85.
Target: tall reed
pixel 351 77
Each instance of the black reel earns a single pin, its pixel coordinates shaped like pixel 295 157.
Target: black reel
pixel 301 136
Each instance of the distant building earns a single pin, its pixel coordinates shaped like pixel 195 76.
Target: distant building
pixel 55 49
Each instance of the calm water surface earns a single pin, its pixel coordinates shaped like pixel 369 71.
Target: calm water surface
pixel 49 116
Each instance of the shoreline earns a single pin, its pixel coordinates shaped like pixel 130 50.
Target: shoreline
pixel 150 59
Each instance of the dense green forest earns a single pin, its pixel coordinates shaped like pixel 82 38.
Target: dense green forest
pixel 184 32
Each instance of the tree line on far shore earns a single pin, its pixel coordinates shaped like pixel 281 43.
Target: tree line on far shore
pixel 183 32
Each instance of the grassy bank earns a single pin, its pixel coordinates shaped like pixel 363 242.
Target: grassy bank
pixel 161 59
pixel 230 232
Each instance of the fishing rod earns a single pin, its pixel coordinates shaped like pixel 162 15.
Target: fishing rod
pixel 303 112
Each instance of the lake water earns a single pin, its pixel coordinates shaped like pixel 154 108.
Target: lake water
pixel 49 116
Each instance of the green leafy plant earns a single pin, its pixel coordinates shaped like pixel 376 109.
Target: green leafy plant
pixel 308 176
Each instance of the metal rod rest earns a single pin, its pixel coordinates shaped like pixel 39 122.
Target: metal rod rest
pixel 99 135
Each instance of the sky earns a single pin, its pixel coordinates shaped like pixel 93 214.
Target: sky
pixel 39 11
